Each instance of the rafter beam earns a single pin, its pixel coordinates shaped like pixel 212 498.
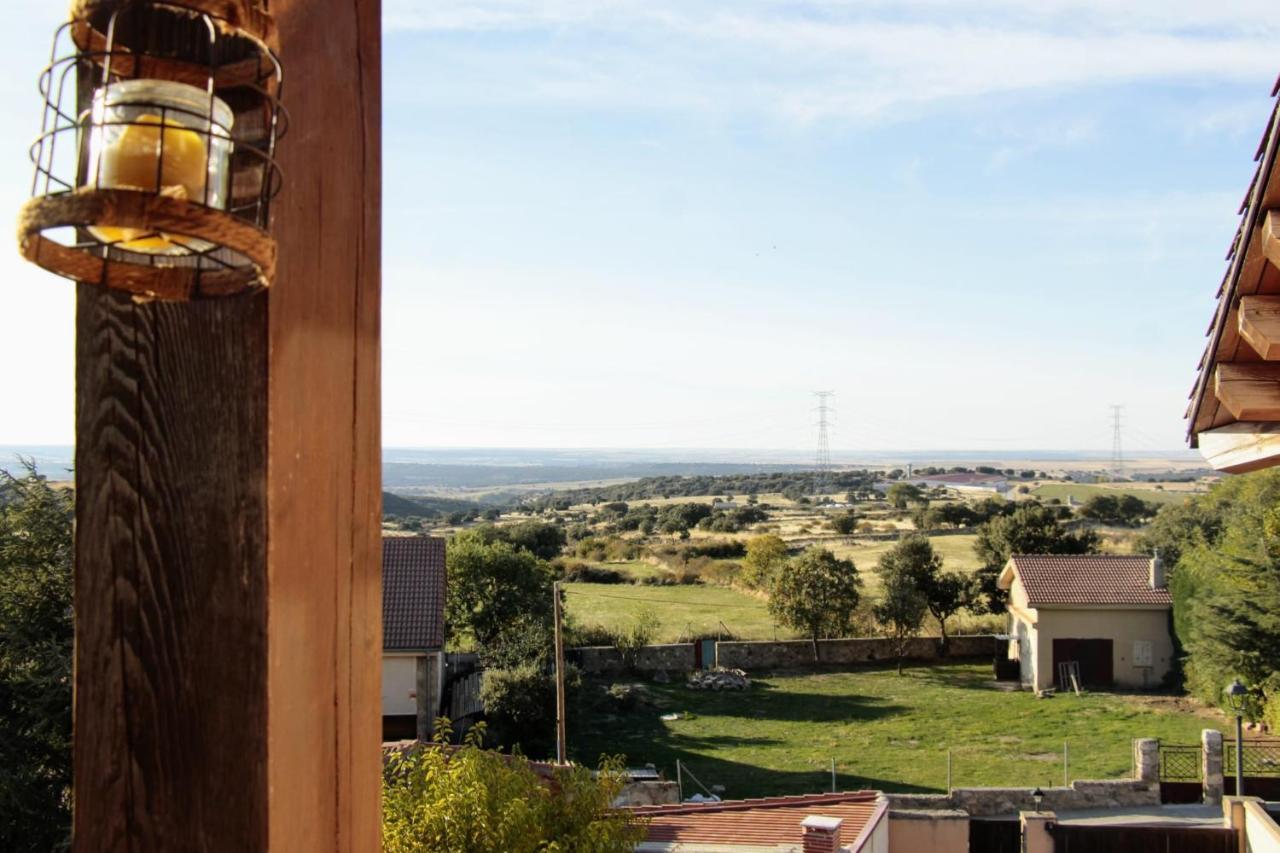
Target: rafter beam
pixel 1259 321
pixel 1241 447
pixel 1250 391
pixel 1271 237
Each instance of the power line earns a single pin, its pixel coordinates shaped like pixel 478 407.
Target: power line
pixel 1117 449
pixel 822 464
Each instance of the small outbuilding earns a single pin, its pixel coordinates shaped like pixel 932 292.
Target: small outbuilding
pixel 1105 617
pixel 413 591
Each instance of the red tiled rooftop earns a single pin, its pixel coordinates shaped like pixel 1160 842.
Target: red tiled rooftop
pixel 1088 579
pixel 766 821
pixel 413 589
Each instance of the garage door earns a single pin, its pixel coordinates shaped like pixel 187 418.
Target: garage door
pixel 1094 657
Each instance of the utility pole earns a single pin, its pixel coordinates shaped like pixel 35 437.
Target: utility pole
pixel 822 463
pixel 560 736
pixel 1117 451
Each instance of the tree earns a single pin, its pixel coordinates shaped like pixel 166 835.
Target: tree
pixel 901 607
pixel 1226 592
pixel 35 662
pixel 901 494
pixel 1030 529
pixel 944 593
pixel 472 800
pixel 765 555
pixel 1118 510
pixel 543 540
pixel 845 523
pixel 492 584
pixel 816 593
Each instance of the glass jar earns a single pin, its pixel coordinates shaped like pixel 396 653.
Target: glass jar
pixel 161 137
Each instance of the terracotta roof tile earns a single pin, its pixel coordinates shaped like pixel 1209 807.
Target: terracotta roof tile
pixel 765 821
pixel 413 583
pixel 1087 579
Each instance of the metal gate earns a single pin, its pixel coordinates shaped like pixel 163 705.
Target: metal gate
pixel 1069 838
pixel 1180 774
pixel 995 836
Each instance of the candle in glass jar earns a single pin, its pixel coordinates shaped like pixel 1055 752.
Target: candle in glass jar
pixel 156 136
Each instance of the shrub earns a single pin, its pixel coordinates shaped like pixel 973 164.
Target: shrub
pixel 719 549
pixel 520 705
pixel 591 634
pixel 585 573
pixel 635 637
pixel 472 800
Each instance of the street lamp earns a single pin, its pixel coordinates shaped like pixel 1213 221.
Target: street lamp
pixel 1236 693
pixel 1037 795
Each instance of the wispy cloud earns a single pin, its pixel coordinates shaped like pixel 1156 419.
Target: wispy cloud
pixel 835 59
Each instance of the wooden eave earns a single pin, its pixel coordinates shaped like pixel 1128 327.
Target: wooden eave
pixel 1235 403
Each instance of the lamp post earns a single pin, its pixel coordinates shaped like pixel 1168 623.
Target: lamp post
pixel 1236 693
pixel 1038 796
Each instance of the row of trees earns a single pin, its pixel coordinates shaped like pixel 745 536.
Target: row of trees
pixel 819 594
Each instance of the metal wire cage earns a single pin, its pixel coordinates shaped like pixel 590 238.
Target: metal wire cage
pixel 155 165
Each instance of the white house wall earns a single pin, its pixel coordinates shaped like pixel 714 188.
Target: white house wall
pixel 399 685
pixel 1122 627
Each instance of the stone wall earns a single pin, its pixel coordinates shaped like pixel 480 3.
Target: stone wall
pixel 993 802
pixel 601 660
pixel 798 654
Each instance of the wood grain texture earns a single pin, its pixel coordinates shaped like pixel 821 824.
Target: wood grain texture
pixel 228 577
pixel 1241 447
pixel 1251 392
pixel 324 470
pixel 1259 325
pixel 170 593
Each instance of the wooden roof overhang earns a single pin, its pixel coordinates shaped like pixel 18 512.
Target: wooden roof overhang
pixel 1234 415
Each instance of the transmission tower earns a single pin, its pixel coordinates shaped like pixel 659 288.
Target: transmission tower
pixel 1117 450
pixel 822 463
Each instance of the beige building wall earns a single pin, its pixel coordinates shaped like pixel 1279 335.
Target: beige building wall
pixel 399 684
pixel 937 832
pixel 1125 628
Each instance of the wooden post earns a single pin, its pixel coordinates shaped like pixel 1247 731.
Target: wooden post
pixel 561 743
pixel 228 623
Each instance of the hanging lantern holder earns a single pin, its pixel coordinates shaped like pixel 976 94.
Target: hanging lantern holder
pixel 155 166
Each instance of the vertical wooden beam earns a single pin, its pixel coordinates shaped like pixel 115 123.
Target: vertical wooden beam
pixel 228 604
pixel 325 497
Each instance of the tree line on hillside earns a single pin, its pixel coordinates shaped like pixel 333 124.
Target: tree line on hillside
pixel 790 484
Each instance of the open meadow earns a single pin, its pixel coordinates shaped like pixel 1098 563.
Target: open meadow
pixel 884 731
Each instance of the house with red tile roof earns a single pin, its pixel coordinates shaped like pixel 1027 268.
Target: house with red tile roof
pixel 852 822
pixel 413 590
pixel 1106 617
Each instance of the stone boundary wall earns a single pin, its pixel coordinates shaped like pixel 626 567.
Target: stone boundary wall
pixel 798 654
pixel 997 802
pixel 758 655
pixel 599 660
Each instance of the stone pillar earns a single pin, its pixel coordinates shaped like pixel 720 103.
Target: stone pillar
pixel 1146 760
pixel 1211 766
pixel 821 834
pixel 1035 831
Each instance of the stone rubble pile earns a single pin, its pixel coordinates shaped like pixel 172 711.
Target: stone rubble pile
pixel 718 679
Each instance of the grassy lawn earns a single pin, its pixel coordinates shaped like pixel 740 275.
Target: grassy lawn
pixel 956 552
pixel 682 609
pixel 884 731
pixel 1082 492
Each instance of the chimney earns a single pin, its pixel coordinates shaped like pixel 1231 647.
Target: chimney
pixel 1156 575
pixel 821 834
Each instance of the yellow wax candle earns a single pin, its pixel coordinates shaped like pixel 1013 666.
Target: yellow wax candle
pixel 135 159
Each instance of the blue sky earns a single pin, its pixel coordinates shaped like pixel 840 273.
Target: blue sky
pixel 662 223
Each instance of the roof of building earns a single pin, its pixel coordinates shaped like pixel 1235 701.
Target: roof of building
pixel 769 822
pixel 1085 579
pixel 1248 274
pixel 962 478
pixel 413 584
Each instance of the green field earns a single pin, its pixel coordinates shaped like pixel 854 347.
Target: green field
pixel 884 731
pixel 956 552
pixel 697 609
pixel 1082 492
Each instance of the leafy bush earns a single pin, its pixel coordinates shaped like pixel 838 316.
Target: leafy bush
pixel 520 705
pixel 35 663
pixel 576 572
pixel 471 800
pixel 636 636
pixel 591 634
pixel 718 549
